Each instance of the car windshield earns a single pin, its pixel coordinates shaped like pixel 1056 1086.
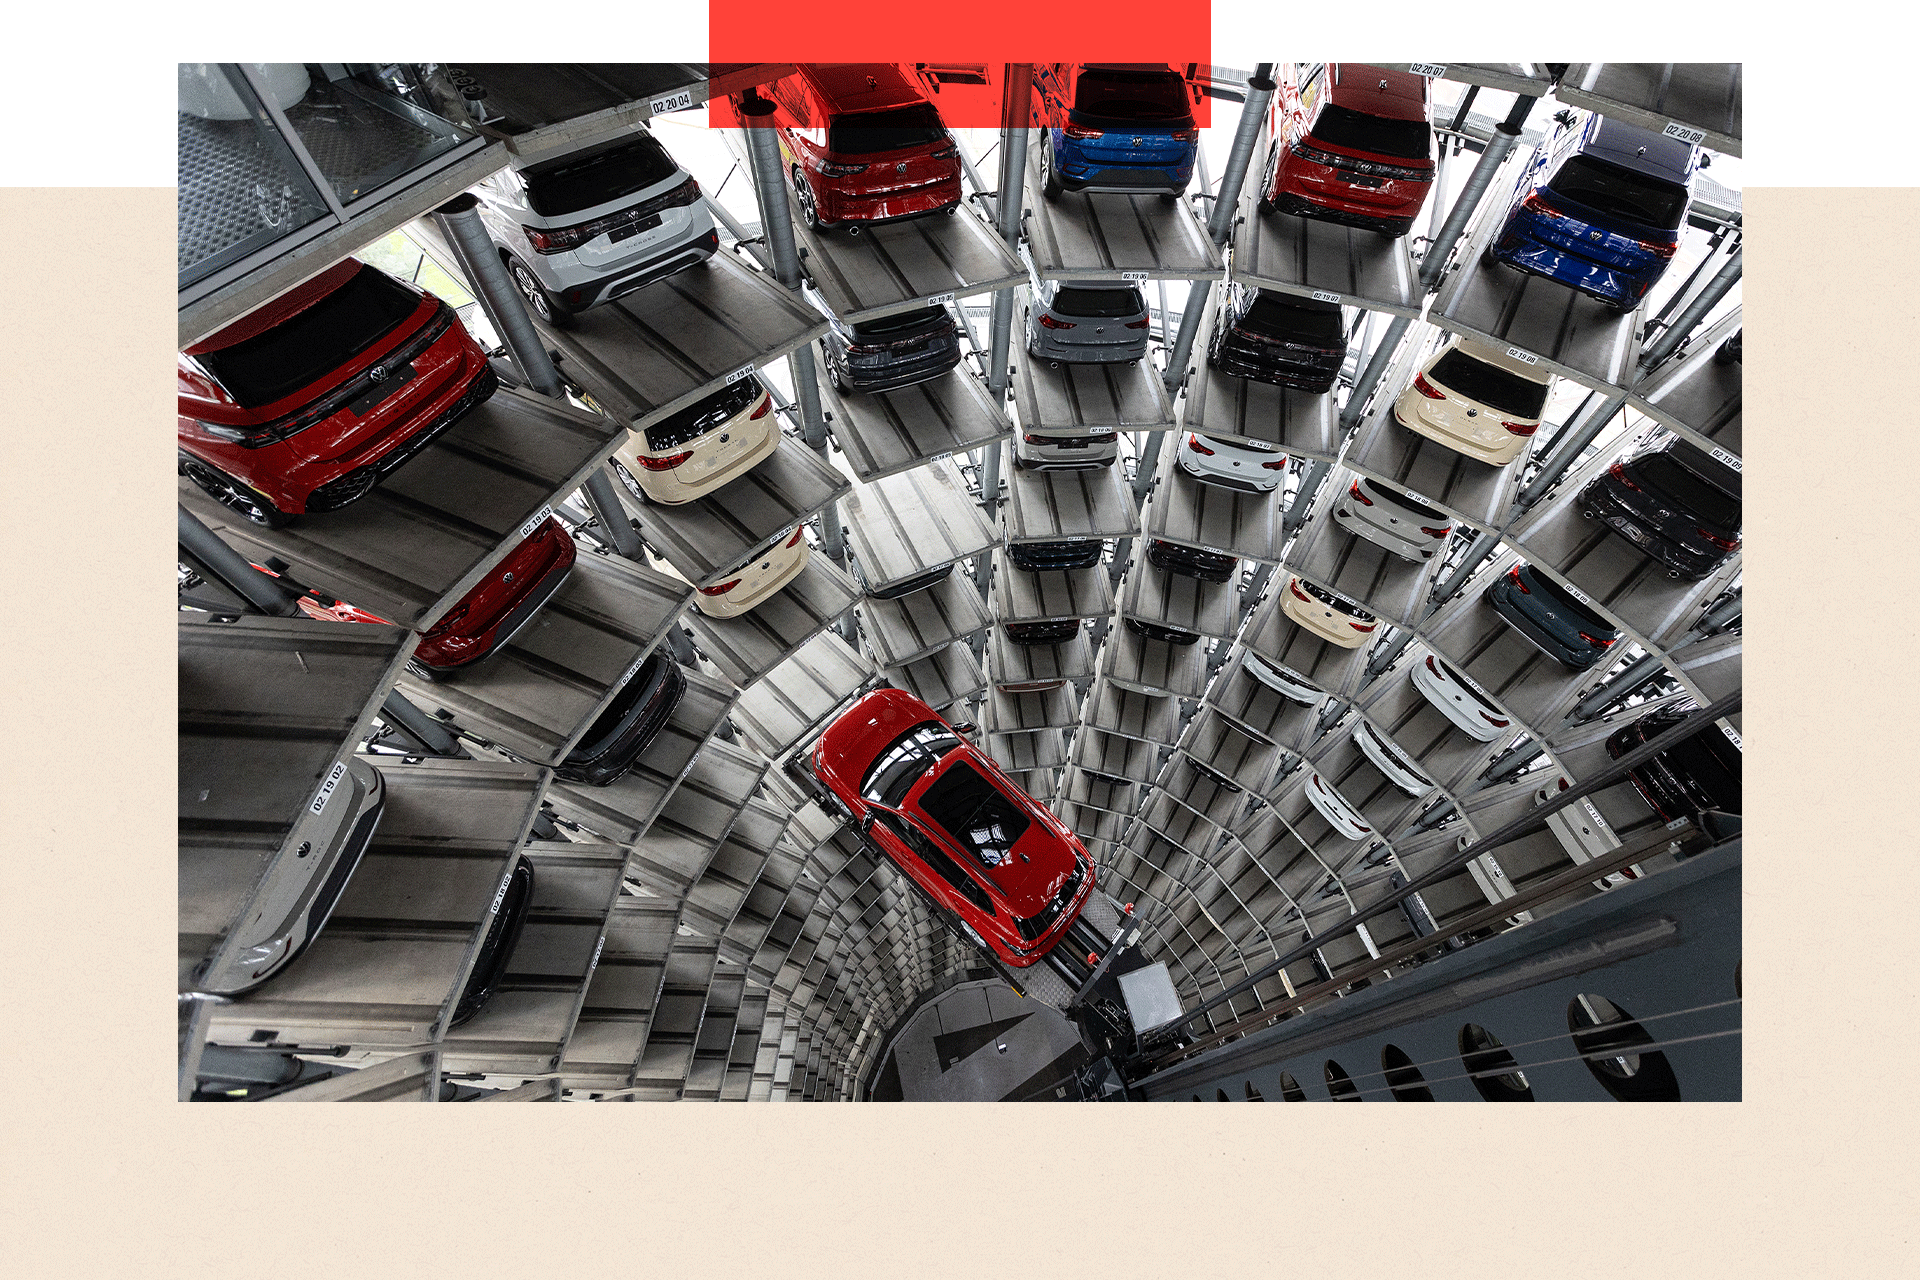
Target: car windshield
pixel 1110 303
pixel 900 764
pixel 310 344
pixel 875 131
pixel 980 817
pixel 598 177
pixel 1696 495
pixel 1303 319
pixel 1489 384
pixel 1407 139
pixel 705 415
pixel 1159 96
pixel 1620 192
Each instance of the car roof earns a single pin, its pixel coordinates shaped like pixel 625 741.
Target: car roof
pixel 281 309
pixel 861 86
pixel 1499 359
pixel 1641 150
pixel 1378 91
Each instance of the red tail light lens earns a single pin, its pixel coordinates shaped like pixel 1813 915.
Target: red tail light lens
pixel 1425 388
pixel 1079 131
pixel 1139 324
pixel 1725 544
pixel 1363 626
pixel 1596 640
pixel 667 463
pixel 1661 248
pixel 1431 667
pixel 1495 721
pixel 944 153
pixel 1521 428
pixel 1193 443
pixel 766 403
pixel 1293 585
pixel 1281 465
pixel 1048 322
pixel 720 590
pixel 1514 573
pixel 1185 135
pixel 1436 533
pixel 1537 203
pixel 833 170
pixel 798 534
pixel 1619 473
pixel 1353 491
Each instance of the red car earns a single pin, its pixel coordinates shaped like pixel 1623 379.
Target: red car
pixel 1354 146
pixel 862 145
pixel 310 401
pixel 968 835
pixel 485 618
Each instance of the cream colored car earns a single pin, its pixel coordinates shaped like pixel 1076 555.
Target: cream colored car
pixel 695 451
pixel 768 569
pixel 1333 619
pixel 1476 400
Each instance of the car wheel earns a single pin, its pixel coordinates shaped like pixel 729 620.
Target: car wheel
pixel 1050 187
pixel 545 306
pixel 1266 181
pixel 229 492
pixel 834 380
pixel 1487 259
pixel 626 478
pixel 1170 197
pixel 803 193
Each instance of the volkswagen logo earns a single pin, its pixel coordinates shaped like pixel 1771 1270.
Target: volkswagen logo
pixel 506 577
pixel 1138 141
pixel 1596 235
pixel 901 167
pixel 378 373
pixel 725 436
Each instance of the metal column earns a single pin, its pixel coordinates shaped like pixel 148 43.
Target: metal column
pixel 1016 94
pixel 1567 447
pixel 421 727
pixel 262 592
pixel 1499 146
pixel 1483 545
pixel 1716 289
pixel 498 298
pixel 612 516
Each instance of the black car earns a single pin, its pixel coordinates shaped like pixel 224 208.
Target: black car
pixel 893 351
pixel 932 577
pixel 1043 632
pixel 1697 773
pixel 1192 562
pixel 1676 503
pixel 1052 557
pixel 1570 632
pixel 1279 338
pixel 502 935
pixel 629 724
pixel 1154 631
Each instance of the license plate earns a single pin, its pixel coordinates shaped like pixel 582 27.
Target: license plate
pixel 386 386
pixel 1634 533
pixel 1362 180
pixel 1075 444
pixel 634 228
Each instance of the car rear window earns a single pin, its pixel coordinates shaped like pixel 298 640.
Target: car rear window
pixel 1132 95
pixel 1303 319
pixel 980 817
pixel 1401 498
pixel 1489 384
pixel 307 346
pixel 904 322
pixel 1559 595
pixel 1343 127
pixel 873 131
pixel 1110 303
pixel 1620 192
pixel 705 415
pixel 1695 494
pixel 1328 598
pixel 900 764
pixel 598 177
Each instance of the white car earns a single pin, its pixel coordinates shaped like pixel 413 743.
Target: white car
pixel 1283 680
pixel 1460 700
pixel 1326 615
pixel 587 227
pixel 1476 400
pixel 1386 756
pixel 1340 815
pixel 768 569
pixel 1249 468
pixel 1066 450
pixel 1390 519
pixel 697 450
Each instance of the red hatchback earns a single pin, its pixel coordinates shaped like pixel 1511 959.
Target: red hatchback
pixel 1354 147
pixel 863 145
pixel 968 835
pixel 310 401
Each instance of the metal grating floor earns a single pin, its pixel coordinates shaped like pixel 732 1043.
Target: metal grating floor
pixel 234 185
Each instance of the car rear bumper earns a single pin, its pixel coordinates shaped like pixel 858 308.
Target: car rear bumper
pixel 1301 374
pixel 1228 479
pixel 1611 282
pixel 1682 558
pixel 1395 219
pixel 1087 351
pixel 357 483
pixel 902 372
pixel 1576 653
pixel 1410 546
pixel 1467 446
pixel 1191 562
pixel 688 253
pixel 651 709
pixel 501 633
pixel 837 206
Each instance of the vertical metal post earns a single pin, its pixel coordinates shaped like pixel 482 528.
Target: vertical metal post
pixel 1376 368
pixel 498 298
pixel 738 232
pixel 262 592
pixel 1253 114
pixel 1499 146
pixel 1721 615
pixel 613 516
pixel 1016 96
pixel 1482 546
pixel 1296 512
pixel 1571 443
pixel 1256 583
pixel 1646 667
pixel 1386 655
pixel 1716 289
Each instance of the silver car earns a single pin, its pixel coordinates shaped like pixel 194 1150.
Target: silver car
pixel 1086 324
pixel 1249 468
pixel 1333 806
pixel 1386 756
pixel 1399 522
pixel 1066 450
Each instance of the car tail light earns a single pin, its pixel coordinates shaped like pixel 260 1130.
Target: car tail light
pixel 561 239
pixel 1193 443
pixel 1495 721
pixel 448 622
pixel 1426 388
pixel 766 403
pixel 1619 473
pixel 1139 324
pixel 1514 573
pixel 1104 437
pixel 1430 666
pixel 1725 544
pixel 1363 626
pixel 1079 131
pixel 1315 155
pixel 798 534
pixel 667 463
pixel 1281 465
pixel 944 153
pixel 1294 586
pixel 1521 428
pixel 1048 322
pixel 1185 135
pixel 1597 641
pixel 1353 490
pixel 1436 533
pixel 1537 203
pixel 833 170
pixel 720 590
pixel 1661 248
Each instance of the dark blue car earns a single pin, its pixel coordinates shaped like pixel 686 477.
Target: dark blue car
pixel 1601 210
pixel 1115 127
pixel 1566 628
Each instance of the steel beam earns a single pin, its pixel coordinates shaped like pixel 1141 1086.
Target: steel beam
pixel 468 238
pixel 420 726
pixel 1253 114
pixel 613 516
pixel 262 592
pixel 1499 146
pixel 1567 448
pixel 1716 289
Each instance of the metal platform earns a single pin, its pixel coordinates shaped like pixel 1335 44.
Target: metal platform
pixel 1114 236
pixel 397 950
pixel 1447 756
pixel 674 851
pixel 1253 708
pixel 1697 396
pixel 1028 752
pixel 270 708
pixel 1077 399
pixel 1219 744
pixel 907 524
pixel 1304 424
pixel 1061 506
pixel 548 109
pixel 1202 793
pixel 624 808
pixel 1228 522
pixel 901 266
pixel 1021 595
pixel 707 539
pixel 1079 787
pixel 1711 667
pixel 942 678
pixel 1023 663
pixel 538 695
pixel 887 432
pixel 798 697
pixel 747 647
pixel 1091 824
pixel 1338 760
pixel 1165 818
pixel 1026 712
pixel 1346 563
pixel 1353 266
pixel 613 1020
pixel 1129 713
pixel 1272 634
pixel 1694 101
pixel 670 343
pixel 909 628
pixel 1153 595
pixel 1114 755
pixel 1529 78
pixel 1153 666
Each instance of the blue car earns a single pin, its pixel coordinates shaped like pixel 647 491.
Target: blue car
pixel 1562 625
pixel 1601 210
pixel 1115 127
